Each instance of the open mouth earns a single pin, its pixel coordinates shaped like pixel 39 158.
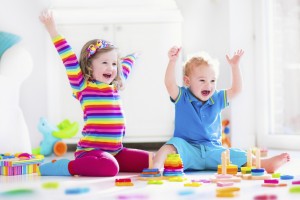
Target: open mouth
pixel 205 92
pixel 107 76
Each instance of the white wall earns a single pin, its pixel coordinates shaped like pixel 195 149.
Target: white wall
pixel 216 26
pixel 21 17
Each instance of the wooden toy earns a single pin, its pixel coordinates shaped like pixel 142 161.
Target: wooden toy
pixel 226 167
pixel 294 189
pixel 276 175
pixel 155 182
pixel 274 185
pixel 265 197
pixel 223 169
pixel 272 181
pixel 224 184
pixel 72 191
pixel 201 180
pixel 192 184
pixel 296 182
pixel 257 173
pixel 227 192
pixel 123 182
pixel 286 177
pixel 176 179
pixel 150 174
pixel 24 164
pixel 173 166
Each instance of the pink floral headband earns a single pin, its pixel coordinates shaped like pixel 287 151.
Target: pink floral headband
pixel 99 45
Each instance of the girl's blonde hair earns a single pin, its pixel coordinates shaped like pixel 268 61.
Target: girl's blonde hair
pixel 198 59
pixel 85 62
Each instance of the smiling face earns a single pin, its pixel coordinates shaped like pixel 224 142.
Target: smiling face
pixel 105 66
pixel 201 81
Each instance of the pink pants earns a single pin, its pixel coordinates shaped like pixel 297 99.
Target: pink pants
pixel 100 163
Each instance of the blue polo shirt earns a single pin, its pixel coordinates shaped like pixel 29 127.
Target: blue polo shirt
pixel 197 122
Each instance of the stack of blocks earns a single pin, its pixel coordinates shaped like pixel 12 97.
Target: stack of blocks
pixel 173 166
pixel 16 165
pixel 150 173
pixel 123 182
pixel 226 167
pixel 257 173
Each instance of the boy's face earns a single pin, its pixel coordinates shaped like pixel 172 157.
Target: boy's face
pixel 202 82
pixel 104 66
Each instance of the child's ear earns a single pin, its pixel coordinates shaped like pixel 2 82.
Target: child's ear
pixel 186 81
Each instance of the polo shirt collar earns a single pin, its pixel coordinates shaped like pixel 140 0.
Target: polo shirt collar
pixel 192 98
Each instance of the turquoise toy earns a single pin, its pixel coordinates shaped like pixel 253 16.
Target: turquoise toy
pixel 52 137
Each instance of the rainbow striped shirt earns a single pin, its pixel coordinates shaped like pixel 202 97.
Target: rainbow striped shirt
pixel 104 123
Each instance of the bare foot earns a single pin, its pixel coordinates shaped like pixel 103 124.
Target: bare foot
pixel 273 163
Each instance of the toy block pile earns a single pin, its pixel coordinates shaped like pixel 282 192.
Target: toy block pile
pixel 19 164
pixel 173 166
pixel 150 173
pixel 123 182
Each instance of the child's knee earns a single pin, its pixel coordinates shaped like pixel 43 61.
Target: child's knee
pixel 169 148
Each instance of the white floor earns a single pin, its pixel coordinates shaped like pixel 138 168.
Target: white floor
pixel 104 188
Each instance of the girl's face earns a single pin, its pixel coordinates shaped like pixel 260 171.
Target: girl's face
pixel 105 67
pixel 202 82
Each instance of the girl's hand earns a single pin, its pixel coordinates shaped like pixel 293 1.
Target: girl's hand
pixel 234 61
pixel 47 19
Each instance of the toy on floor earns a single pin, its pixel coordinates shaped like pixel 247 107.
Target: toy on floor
pixel 123 182
pixel 226 171
pixel 225 134
pixel 52 137
pixel 155 182
pixel 173 166
pixel 294 189
pixel 192 184
pixel 248 168
pixel 80 190
pixel 227 192
pixel 257 173
pixel 296 182
pixel 265 197
pixel 20 164
pixel 226 167
pixel 150 174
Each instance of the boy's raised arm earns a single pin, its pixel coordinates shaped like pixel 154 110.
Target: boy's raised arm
pixel 237 82
pixel 170 78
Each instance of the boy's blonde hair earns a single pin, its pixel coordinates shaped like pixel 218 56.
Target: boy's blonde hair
pixel 85 62
pixel 198 59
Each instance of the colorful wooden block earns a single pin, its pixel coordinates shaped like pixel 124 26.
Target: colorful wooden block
pixel 192 184
pixel 25 164
pixel 123 182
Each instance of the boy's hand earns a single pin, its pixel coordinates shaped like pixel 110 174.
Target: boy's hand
pixel 174 53
pixel 234 61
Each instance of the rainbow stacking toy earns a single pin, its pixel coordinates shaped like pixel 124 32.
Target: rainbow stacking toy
pixel 173 166
pixel 23 163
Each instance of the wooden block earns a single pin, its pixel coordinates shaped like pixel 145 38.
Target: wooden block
pixel 150 178
pixel 232 179
pixel 250 177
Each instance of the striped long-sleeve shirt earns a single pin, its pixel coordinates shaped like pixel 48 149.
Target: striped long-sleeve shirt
pixel 104 123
